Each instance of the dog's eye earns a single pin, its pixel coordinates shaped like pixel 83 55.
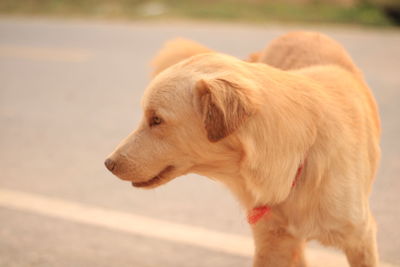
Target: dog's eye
pixel 155 121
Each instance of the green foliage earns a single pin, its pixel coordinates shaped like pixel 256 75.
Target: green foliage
pixel 227 10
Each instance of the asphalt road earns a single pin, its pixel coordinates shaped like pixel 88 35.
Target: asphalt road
pixel 69 91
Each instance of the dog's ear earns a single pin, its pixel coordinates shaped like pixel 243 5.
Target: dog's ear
pixel 254 57
pixel 174 51
pixel 223 105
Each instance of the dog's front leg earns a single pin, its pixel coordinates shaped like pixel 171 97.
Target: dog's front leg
pixel 275 247
pixel 360 245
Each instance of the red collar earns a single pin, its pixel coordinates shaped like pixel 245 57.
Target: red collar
pixel 257 213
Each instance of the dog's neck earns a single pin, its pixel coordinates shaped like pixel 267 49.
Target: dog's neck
pixel 236 184
pixel 223 172
pixel 256 213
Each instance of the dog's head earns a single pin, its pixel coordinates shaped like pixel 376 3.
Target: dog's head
pixel 200 115
pixel 187 114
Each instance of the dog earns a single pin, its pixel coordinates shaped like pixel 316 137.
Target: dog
pixel 297 142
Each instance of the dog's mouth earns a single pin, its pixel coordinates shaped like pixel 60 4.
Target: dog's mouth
pixel 156 179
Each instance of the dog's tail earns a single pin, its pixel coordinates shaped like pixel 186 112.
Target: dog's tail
pixel 297 50
pixel 174 51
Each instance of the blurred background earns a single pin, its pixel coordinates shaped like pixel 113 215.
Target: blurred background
pixel 362 12
pixel 71 77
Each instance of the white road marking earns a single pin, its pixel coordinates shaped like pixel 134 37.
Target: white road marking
pixel 44 53
pixel 148 227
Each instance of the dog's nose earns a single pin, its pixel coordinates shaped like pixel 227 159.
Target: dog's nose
pixel 110 164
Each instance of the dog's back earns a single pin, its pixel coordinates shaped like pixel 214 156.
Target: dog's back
pixel 302 50
pixel 297 50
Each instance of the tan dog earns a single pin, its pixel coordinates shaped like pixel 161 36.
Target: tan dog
pixel 253 127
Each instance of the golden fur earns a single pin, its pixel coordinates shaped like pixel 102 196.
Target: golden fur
pixel 250 126
pixel 298 50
